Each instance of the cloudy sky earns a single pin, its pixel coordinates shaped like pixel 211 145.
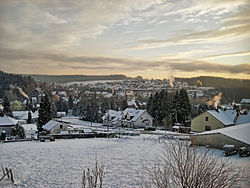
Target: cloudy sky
pixel 151 38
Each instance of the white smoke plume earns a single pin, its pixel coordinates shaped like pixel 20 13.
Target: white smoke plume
pixel 215 101
pixel 198 81
pixel 23 93
pixel 171 80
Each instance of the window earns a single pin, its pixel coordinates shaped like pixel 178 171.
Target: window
pixel 206 118
pixel 207 128
pixel 61 126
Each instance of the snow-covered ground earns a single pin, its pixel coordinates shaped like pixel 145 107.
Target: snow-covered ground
pixel 61 163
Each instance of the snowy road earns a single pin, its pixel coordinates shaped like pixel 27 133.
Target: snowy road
pixel 61 163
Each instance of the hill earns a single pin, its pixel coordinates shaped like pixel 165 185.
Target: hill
pixel 217 82
pixel 16 85
pixel 232 89
pixel 76 78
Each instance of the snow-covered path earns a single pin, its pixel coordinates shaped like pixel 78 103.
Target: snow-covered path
pixel 61 163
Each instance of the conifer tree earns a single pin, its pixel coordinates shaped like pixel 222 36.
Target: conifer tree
pixel 6 107
pixel 44 113
pixel 29 120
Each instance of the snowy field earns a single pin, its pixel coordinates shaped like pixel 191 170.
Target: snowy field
pixel 61 163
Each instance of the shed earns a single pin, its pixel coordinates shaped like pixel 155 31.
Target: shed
pixel 8 124
pixel 55 127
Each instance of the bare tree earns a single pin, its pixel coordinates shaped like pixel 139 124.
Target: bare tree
pixel 190 167
pixel 93 178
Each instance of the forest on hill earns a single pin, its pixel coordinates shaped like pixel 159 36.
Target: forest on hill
pixel 232 89
pixel 16 85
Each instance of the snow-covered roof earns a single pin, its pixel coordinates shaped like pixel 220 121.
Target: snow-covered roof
pixel 243 119
pixel 23 115
pixel 48 126
pixel 29 127
pixel 245 101
pixel 239 132
pixel 116 115
pixel 227 117
pixel 134 113
pixel 6 121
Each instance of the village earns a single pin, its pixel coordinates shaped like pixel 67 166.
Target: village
pixel 128 114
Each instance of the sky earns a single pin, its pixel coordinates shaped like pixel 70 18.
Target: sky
pixel 150 38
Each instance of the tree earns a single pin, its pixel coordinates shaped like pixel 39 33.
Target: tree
pixel 29 120
pixel 185 106
pixel 44 113
pixel 6 107
pixel 187 167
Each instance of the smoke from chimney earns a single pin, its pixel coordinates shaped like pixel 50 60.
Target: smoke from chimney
pixel 215 101
pixel 198 81
pixel 171 80
pixel 23 93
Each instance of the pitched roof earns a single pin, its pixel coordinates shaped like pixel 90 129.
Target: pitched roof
pixel 239 132
pixel 29 127
pixel 227 117
pixel 48 126
pixel 243 119
pixel 6 121
pixel 134 113
pixel 23 115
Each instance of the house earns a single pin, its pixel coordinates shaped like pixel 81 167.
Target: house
pixel 61 114
pixel 130 117
pixel 112 118
pixel 233 135
pixel 245 104
pixel 55 127
pixel 30 130
pixel 134 118
pixel 22 116
pixel 8 125
pixel 214 119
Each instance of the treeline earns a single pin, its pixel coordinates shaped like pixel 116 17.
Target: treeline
pixel 169 109
pixel 217 82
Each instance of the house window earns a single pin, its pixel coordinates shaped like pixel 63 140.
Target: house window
pixel 206 118
pixel 61 126
pixel 207 128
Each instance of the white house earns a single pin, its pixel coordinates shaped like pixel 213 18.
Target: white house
pixel 55 127
pixel 30 130
pixel 112 118
pixel 136 118
pixel 8 125
pixel 130 117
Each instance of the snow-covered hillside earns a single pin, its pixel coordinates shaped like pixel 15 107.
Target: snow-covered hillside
pixel 61 163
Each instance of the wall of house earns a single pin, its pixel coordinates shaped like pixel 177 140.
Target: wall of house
pixel 139 122
pixel 199 123
pixel 215 140
pixel 57 128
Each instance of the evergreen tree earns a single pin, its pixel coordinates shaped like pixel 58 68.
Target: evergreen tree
pixel 6 107
pixel 44 113
pixel 185 106
pixel 29 120
pixel 70 102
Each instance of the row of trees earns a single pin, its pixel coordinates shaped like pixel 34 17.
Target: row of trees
pixel 168 109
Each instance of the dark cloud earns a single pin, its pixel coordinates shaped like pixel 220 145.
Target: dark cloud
pixel 62 61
